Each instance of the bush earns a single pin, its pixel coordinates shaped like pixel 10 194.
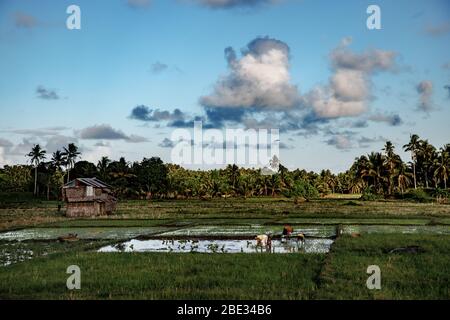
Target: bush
pixel 441 195
pixel 417 195
pixel 303 189
pixel 368 195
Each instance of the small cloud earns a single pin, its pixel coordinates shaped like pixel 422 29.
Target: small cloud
pixel 391 119
pixel 365 142
pixel 136 139
pixel 158 67
pixel 38 132
pixel 26 21
pixel 139 3
pixel 340 141
pixel 447 87
pixel 106 132
pixel 425 91
pixel 166 143
pixel 359 124
pixel 46 94
pixel 144 113
pixel 438 30
pixel 229 4
pixel 102 144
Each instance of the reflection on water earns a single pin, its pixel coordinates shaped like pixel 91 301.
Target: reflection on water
pixel 396 229
pixel 14 253
pixel 81 232
pixel 219 246
pixel 249 230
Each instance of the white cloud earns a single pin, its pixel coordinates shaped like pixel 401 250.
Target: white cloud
pixel 425 91
pixel 348 91
pixel 340 141
pixel 260 79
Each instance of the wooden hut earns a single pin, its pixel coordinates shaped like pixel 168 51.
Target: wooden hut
pixel 87 197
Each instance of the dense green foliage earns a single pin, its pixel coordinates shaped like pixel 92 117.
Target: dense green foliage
pixel 375 175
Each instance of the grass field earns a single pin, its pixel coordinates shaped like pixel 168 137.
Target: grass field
pixel 339 274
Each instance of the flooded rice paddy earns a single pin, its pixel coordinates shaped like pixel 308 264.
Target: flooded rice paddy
pixel 25 244
pixel 219 246
pixel 83 233
pixel 249 230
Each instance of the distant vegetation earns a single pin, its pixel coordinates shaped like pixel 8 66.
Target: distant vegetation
pixel 377 175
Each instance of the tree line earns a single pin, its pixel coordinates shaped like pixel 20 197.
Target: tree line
pixel 378 174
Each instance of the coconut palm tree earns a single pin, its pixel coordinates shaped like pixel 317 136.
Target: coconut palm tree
pixel 376 169
pixel 233 173
pixel 403 177
pixel 102 168
pixel 71 153
pixel 58 159
pixel 36 155
pixel 391 161
pixel 427 153
pixel 413 146
pixel 442 165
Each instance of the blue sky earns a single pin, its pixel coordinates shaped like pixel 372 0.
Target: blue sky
pixel 59 85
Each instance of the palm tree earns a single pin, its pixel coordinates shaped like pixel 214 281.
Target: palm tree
pixel 102 167
pixel 376 168
pixel 427 154
pixel 233 173
pixel 402 176
pixel 71 153
pixel 413 146
pixel 58 159
pixel 391 161
pixel 36 155
pixel 442 167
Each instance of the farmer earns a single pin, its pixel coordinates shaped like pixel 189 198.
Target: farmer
pixel 264 241
pixel 287 230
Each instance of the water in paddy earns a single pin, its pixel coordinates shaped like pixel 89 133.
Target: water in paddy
pixel 250 230
pixel 14 253
pixel 219 246
pixel 81 232
pixel 396 229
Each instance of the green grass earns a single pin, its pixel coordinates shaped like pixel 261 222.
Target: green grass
pixel 338 275
pixel 424 275
pixel 165 276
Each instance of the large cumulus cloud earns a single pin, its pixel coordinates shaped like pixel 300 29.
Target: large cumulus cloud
pixel 257 81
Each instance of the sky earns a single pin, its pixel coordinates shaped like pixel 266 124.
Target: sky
pixel 139 69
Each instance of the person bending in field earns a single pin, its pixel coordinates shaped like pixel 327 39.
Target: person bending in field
pixel 264 241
